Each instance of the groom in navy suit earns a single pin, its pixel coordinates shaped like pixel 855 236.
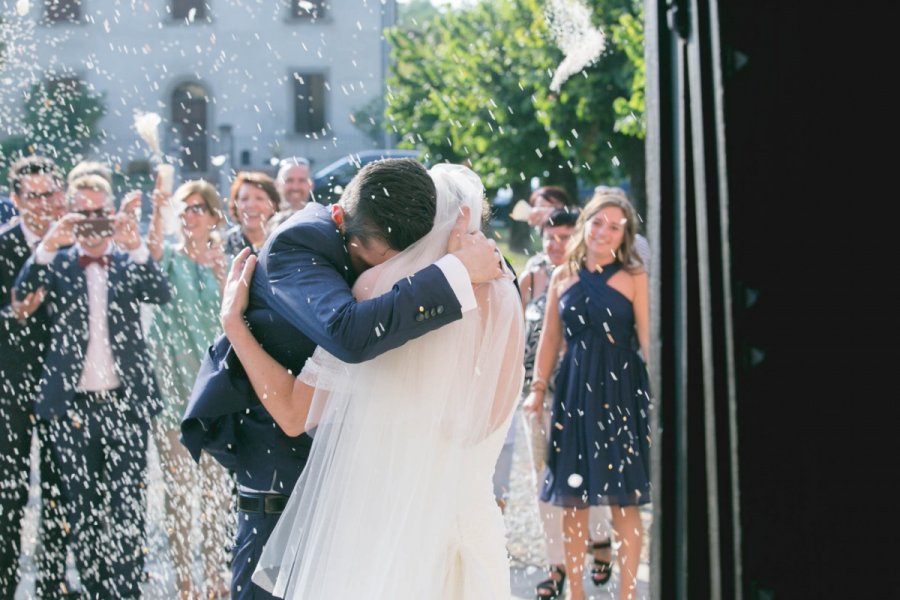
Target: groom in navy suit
pixel 301 297
pixel 97 387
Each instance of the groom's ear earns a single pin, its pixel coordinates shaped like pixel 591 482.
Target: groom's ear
pixel 337 215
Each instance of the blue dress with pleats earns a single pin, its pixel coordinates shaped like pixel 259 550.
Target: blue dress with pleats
pixel 599 446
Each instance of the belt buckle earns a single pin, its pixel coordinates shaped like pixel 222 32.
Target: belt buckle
pixel 245 502
pixel 274 504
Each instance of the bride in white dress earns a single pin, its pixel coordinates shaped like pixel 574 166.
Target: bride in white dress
pixel 396 500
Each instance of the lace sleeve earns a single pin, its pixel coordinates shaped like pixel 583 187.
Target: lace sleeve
pixel 322 370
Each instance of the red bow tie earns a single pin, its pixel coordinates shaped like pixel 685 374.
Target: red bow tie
pixel 84 260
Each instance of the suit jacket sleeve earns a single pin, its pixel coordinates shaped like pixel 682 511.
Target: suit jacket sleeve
pixel 304 279
pixel 10 327
pixel 149 283
pixel 32 276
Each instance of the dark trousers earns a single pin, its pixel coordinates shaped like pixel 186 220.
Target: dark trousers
pixel 17 424
pixel 103 456
pixel 253 531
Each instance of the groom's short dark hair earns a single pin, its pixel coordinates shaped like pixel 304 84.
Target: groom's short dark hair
pixel 393 199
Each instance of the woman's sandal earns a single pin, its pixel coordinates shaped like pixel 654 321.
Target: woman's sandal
pixel 551 587
pixel 602 570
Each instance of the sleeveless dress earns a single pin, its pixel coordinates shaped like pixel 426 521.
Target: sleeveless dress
pixel 599 447
pixel 182 330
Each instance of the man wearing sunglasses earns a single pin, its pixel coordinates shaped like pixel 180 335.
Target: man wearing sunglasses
pixel 35 184
pixel 97 387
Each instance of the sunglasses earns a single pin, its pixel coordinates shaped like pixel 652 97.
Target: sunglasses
pixel 92 214
pixel 30 196
pixel 197 209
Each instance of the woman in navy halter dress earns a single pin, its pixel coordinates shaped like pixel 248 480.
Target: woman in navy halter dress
pixel 599 446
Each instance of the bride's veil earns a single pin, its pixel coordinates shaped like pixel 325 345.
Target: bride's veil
pixel 396 451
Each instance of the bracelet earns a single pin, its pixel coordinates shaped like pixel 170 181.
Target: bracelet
pixel 538 385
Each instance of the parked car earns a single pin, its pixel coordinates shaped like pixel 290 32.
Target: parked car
pixel 331 180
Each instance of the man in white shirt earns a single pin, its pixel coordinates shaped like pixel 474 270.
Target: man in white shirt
pixel 97 388
pixel 295 186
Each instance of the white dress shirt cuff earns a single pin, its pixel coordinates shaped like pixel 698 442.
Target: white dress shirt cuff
pixel 458 278
pixel 42 256
pixel 141 254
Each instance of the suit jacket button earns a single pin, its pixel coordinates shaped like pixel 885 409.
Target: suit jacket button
pixel 440 309
pixel 420 316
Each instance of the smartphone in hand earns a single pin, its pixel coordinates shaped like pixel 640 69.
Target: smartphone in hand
pixel 96 227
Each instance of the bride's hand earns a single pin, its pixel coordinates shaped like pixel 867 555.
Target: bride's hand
pixel 236 294
pixel 533 404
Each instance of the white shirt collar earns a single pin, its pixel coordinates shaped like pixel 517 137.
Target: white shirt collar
pixel 31 238
pixel 109 249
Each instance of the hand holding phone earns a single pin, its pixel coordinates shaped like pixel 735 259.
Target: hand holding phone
pixel 62 233
pixel 95 227
pixel 127 235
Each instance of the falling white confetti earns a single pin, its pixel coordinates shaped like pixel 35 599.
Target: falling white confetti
pixel 582 44
pixel 146 124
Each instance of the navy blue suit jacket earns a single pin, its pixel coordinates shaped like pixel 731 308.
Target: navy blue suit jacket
pixel 7 211
pixel 300 298
pixel 129 285
pixel 22 345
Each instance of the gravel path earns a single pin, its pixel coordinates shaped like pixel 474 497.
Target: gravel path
pixel 525 542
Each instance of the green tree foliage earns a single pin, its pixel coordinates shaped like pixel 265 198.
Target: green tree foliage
pixel 598 115
pixel 473 84
pixel 461 86
pixel 60 121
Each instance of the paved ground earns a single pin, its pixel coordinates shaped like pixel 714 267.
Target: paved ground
pixel 524 540
pixel 525 545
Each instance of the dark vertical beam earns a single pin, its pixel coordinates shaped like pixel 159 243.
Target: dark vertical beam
pixel 669 557
pixel 696 535
pixel 733 568
pixel 701 139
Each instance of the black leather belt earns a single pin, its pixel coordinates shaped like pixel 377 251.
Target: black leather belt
pixel 270 504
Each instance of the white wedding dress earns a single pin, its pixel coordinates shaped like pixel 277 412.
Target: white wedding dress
pixel 396 501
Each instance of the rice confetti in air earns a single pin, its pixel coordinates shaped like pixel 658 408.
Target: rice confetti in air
pixel 582 44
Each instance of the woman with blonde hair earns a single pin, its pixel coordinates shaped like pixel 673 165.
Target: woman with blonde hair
pixel 180 333
pixel 599 446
